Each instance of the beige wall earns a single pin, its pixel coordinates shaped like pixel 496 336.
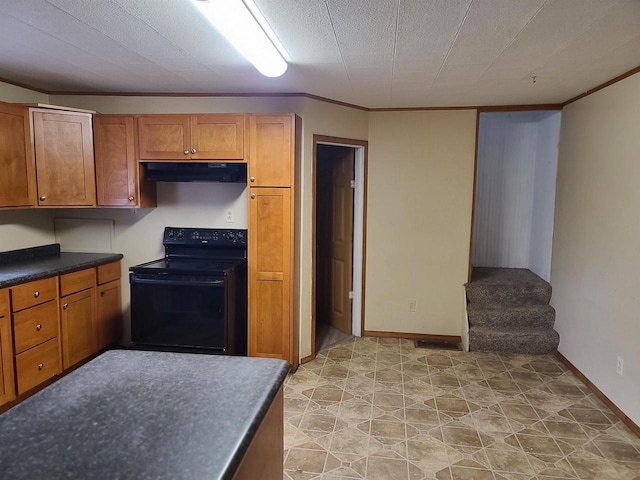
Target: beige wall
pixel 418 219
pixel 595 271
pixel 12 94
pixel 204 204
pixel 433 149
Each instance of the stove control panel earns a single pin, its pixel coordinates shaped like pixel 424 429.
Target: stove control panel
pixel 204 236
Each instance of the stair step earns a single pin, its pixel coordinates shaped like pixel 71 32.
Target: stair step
pixel 515 286
pixel 527 316
pixel 513 340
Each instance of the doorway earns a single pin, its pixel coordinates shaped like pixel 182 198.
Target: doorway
pixel 338 239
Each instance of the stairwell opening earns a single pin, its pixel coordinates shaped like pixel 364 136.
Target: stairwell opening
pixel 508 294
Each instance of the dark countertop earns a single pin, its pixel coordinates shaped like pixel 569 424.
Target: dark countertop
pixel 21 266
pixel 141 415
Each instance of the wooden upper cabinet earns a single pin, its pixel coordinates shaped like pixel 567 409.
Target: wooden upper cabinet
pixel 17 181
pixel 64 158
pixel 120 180
pixel 270 150
pixel 115 160
pixel 164 137
pixel 218 137
pixel 191 137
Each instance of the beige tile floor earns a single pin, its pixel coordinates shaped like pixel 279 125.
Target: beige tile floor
pixel 383 409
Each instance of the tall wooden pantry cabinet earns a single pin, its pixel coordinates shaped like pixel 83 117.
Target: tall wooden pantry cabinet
pixel 273 324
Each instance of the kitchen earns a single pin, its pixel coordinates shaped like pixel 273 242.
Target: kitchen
pixel 427 155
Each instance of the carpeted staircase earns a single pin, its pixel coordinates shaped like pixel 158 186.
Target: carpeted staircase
pixel 509 312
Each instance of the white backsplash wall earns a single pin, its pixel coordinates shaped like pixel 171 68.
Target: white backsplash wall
pixel 25 228
pixel 138 233
pixel 515 190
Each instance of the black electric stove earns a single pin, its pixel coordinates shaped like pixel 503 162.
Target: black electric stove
pixel 195 298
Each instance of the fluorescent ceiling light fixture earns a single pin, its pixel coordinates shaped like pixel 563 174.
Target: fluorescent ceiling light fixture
pixel 243 30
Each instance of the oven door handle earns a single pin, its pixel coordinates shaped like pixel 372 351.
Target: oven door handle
pixel 187 283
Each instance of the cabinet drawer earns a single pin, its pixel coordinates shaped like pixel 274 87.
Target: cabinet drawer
pixel 33 293
pixel 108 272
pixel 4 303
pixel 77 281
pixel 37 365
pixel 35 325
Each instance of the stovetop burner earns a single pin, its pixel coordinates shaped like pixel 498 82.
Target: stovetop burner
pixel 198 251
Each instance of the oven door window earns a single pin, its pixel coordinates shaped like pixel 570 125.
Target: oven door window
pixel 179 312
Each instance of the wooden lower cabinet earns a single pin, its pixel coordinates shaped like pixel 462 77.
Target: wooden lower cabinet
pixel 109 314
pixel 271 328
pixel 78 321
pixel 37 365
pixel 7 383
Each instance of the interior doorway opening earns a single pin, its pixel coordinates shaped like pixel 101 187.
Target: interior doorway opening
pixel 339 181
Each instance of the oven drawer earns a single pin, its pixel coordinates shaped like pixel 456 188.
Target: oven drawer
pixel 33 293
pixel 37 365
pixel 77 281
pixel 35 326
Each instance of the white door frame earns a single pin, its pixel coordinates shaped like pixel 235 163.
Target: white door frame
pixel 359 225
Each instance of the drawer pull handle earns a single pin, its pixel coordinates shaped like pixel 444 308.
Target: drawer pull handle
pixel 40 366
pixel 253 179
pixel 64 307
pixel 43 198
pixel 193 150
pixel 39 327
pixel 186 152
pixel 253 195
pixel 36 294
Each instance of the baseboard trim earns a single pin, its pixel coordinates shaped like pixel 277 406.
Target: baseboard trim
pixel 413 336
pixel 307 359
pixel 614 408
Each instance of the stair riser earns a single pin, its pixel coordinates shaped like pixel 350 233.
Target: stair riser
pixel 533 344
pixel 490 318
pixel 508 294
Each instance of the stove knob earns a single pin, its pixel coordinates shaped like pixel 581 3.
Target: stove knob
pixel 180 233
pixel 171 233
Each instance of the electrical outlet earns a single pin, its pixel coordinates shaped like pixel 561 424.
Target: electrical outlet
pixel 620 366
pixel 412 306
pixel 229 216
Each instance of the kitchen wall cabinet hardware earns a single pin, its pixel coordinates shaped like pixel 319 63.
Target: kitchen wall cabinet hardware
pixel 271 150
pixel 273 324
pixel 119 178
pixel 78 316
pixel 36 332
pixel 7 379
pixel 17 182
pixel 191 137
pixel 109 305
pixel 63 149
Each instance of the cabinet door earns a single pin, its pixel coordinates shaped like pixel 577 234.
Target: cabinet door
pixel 270 151
pixel 17 181
pixel 79 327
pixel 163 137
pixel 7 384
pixel 115 160
pixel 217 137
pixel 270 260
pixel 64 159
pixel 109 314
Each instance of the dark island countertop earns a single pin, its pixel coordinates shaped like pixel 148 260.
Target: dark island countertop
pixel 141 415
pixel 21 266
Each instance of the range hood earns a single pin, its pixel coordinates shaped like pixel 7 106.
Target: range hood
pixel 196 172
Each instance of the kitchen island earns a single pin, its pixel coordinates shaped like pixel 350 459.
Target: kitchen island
pixel 151 415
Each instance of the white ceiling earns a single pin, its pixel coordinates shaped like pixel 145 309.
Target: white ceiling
pixel 373 53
